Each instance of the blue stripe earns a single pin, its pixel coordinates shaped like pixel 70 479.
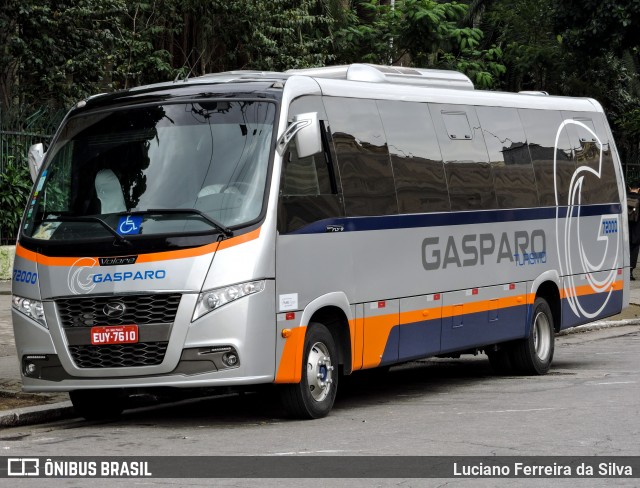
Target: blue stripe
pixel 431 337
pixel 483 328
pixel 409 221
pixel 592 303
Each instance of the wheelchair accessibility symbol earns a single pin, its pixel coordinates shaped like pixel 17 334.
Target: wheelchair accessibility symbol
pixel 129 225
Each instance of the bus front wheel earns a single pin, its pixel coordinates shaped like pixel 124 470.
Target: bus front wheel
pixel 313 397
pixel 534 354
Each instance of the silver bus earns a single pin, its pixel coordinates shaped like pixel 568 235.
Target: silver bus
pixel 249 228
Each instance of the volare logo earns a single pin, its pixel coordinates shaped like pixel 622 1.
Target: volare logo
pixel 118 260
pixel 586 253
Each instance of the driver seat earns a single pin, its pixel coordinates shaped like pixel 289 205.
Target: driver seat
pixel 109 192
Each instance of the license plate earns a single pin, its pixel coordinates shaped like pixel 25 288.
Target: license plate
pixel 114 334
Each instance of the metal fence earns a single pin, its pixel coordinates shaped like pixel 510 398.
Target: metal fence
pixel 18 134
pixel 14 146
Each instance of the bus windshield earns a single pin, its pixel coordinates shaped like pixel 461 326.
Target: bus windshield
pixel 208 157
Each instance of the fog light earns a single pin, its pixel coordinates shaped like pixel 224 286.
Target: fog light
pixel 230 359
pixel 30 369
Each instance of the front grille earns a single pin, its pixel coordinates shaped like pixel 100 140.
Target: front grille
pixel 119 355
pixel 139 309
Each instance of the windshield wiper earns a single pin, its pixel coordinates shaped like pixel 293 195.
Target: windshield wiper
pixel 110 229
pixel 163 211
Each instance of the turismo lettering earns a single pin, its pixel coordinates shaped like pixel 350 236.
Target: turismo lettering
pixel 159 274
pixel 519 248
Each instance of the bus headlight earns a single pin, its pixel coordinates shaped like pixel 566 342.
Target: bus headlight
pixel 213 299
pixel 29 307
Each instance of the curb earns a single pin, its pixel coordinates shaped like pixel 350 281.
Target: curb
pixel 602 324
pixel 5 287
pixel 36 415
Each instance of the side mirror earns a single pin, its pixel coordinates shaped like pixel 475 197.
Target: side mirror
pixel 306 129
pixel 35 157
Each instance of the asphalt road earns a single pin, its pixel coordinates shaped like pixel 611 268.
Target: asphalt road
pixel 586 406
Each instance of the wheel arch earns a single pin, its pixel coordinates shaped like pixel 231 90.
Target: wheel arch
pixel 550 291
pixel 334 312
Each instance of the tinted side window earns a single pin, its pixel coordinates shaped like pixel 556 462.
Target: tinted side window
pixel 304 176
pixel 363 159
pixel 608 162
pixel 415 156
pixel 307 185
pixel 587 152
pixel 515 183
pixel 541 127
pixel 466 162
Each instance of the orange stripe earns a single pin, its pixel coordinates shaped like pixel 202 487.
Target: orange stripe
pixel 178 254
pixel 587 290
pixel 145 258
pixel 376 334
pixel 26 254
pixel 234 241
pixel 290 368
pixel 357 343
pixel 484 305
pixel 421 315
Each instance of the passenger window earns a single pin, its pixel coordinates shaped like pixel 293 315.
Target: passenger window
pixel 415 157
pixel 582 134
pixel 514 179
pixel 363 158
pixel 469 175
pixel 541 128
pixel 608 179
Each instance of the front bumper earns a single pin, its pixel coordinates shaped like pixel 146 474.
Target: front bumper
pixel 193 355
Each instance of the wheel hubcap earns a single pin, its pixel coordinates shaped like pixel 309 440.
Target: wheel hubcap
pixel 542 336
pixel 319 371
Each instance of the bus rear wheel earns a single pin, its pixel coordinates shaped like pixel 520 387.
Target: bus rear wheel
pixel 313 397
pixel 534 354
pixel 104 404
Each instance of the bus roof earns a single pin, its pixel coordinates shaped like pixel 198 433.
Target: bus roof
pixel 356 81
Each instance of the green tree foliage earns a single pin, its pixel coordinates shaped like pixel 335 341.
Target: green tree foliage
pixel 206 36
pixel 599 25
pixel 56 50
pixel 59 51
pixel 15 185
pixel 137 56
pixel 532 54
pixel 423 33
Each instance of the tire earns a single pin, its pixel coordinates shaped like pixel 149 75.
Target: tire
pixel 313 397
pixel 98 404
pixel 533 355
pixel 500 361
